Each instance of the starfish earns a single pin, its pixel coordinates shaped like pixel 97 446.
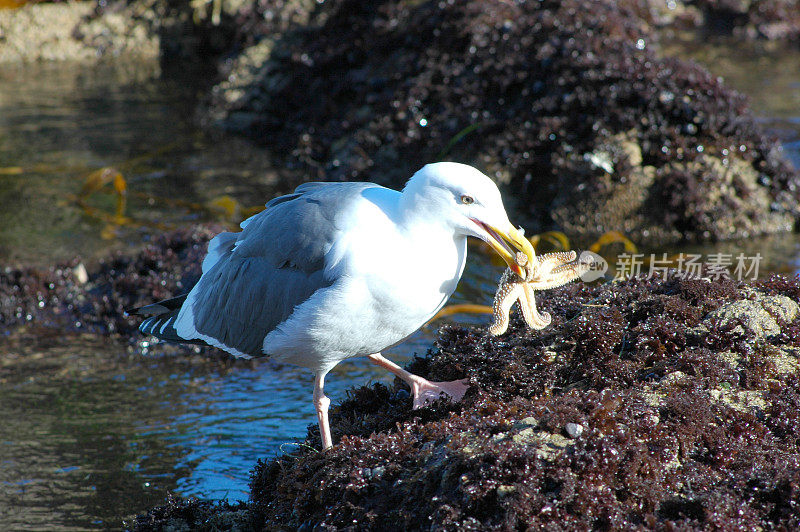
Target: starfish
pixel 550 271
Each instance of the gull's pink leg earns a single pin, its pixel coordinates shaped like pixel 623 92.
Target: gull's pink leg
pixel 422 390
pixel 321 403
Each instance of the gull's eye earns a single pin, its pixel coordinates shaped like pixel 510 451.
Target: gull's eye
pixel 467 200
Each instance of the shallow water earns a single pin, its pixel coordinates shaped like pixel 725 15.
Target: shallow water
pixel 58 124
pixel 93 433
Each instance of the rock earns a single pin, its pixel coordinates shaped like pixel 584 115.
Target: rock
pixel 759 317
pixel 75 297
pixel 62 32
pixel 499 461
pixel 574 430
pixel 180 515
pixel 79 271
pixel 744 400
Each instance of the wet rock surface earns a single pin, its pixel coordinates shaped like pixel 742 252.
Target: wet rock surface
pixel 178 515
pixel 76 297
pixel 688 418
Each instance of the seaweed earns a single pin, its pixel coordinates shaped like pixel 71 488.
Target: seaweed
pixel 664 441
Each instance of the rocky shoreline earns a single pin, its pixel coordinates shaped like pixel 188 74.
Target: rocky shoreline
pixel 655 403
pixel 574 111
pixel 648 403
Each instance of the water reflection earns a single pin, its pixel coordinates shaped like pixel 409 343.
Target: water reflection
pixel 59 123
pixel 68 409
pixel 230 422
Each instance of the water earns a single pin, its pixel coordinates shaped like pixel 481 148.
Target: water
pixel 93 433
pixel 58 124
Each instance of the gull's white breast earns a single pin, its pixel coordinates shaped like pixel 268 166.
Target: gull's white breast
pixel 390 278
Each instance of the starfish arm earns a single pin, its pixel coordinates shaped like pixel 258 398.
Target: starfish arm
pixel 561 257
pixel 556 278
pixel 550 270
pixel 505 297
pixel 547 263
pixel 529 311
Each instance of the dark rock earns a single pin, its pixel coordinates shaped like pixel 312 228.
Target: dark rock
pixel 679 431
pixel 192 514
pixel 570 107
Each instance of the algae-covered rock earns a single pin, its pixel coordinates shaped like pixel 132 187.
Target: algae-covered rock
pixel 591 130
pixel 679 429
pixel 180 515
pixel 75 297
pixel 760 316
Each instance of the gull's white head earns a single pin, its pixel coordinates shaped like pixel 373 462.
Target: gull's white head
pixel 470 202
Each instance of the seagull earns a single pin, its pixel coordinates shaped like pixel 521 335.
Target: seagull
pixel 340 270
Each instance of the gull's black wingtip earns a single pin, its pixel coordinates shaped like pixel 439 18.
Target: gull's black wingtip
pixel 155 309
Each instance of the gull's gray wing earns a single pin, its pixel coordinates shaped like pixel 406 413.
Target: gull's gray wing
pixel 253 280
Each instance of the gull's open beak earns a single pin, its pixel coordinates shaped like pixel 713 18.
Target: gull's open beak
pixel 499 240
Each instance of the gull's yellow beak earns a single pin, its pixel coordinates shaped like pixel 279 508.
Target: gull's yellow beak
pixel 499 240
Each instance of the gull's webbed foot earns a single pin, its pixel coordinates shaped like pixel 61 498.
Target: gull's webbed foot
pixel 425 392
